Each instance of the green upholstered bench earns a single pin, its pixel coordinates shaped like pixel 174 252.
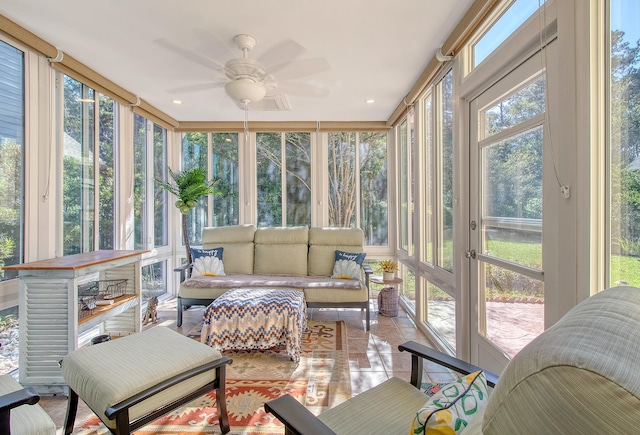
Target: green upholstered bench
pixel 133 380
pixel 19 411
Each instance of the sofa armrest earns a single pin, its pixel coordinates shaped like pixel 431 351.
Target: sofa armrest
pixel 420 352
pixel 185 271
pixel 297 419
pixel 367 273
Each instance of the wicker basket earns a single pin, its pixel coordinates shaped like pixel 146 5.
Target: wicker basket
pixel 103 289
pixel 388 302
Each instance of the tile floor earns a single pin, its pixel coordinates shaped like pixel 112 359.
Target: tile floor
pixel 373 355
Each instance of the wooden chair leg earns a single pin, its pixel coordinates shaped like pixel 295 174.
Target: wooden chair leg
pixel 221 401
pixel 122 423
pixel 179 319
pixel 72 409
pixel 5 422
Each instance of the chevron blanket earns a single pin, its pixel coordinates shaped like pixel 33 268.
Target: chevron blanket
pixel 256 318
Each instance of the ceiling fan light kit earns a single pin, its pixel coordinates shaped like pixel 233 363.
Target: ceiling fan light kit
pixel 245 90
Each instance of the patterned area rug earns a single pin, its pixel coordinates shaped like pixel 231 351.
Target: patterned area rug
pixel 320 381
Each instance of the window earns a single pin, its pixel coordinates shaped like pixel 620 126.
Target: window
pixel 154 278
pixel 444 173
pixel 88 219
pixel 160 197
pixel 194 154
pixel 510 20
pixel 623 185
pixel 150 162
pixel 284 199
pixel 427 197
pixel 107 143
pixel 374 206
pixel 12 121
pixel 223 164
pixel 350 154
pixel 441 314
pixel 11 157
pixel 404 185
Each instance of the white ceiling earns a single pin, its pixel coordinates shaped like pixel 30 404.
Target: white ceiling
pixel 375 48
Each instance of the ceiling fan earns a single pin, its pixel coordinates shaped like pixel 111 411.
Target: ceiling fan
pixel 251 82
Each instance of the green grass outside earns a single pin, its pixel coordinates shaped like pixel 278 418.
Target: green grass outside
pixel 623 267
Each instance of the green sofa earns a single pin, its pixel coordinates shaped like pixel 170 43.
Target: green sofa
pixel 280 257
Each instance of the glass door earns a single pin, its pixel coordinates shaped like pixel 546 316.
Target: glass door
pixel 506 216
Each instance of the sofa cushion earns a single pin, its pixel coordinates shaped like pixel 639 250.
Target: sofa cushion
pixel 452 409
pixel 237 242
pixel 254 280
pixel 281 251
pixel 323 243
pixel 316 289
pixel 207 262
pixel 348 265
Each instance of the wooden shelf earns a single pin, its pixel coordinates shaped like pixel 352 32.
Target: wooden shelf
pixel 52 317
pixel 380 280
pixel 101 309
pixel 104 312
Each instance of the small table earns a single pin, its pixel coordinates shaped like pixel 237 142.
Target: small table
pixel 256 318
pixel 388 296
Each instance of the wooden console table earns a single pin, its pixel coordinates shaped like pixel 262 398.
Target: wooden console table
pixel 49 325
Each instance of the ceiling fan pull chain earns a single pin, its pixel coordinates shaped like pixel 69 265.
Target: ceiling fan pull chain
pixel 246 121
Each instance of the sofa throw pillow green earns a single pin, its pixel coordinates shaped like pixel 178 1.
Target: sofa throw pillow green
pixel 348 265
pixel 453 408
pixel 207 262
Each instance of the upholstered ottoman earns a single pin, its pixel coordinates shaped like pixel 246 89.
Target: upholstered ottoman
pixel 133 380
pixel 253 318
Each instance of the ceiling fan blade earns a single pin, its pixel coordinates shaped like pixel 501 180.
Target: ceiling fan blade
pixel 282 53
pixel 197 87
pixel 215 47
pixel 201 60
pixel 300 68
pixel 303 89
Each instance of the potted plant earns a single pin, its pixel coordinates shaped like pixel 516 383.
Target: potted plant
pixel 189 186
pixel 388 268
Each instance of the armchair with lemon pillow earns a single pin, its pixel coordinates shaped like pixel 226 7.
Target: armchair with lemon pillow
pixel 581 376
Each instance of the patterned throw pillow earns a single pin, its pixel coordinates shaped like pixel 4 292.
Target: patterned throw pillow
pixel 207 262
pixel 348 265
pixel 452 409
pixel 431 388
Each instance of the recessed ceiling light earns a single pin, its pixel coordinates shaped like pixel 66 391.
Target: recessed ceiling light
pixel 370 101
pixel 176 101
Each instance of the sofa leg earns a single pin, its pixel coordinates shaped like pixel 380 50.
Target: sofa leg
pixel 368 315
pixel 179 319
